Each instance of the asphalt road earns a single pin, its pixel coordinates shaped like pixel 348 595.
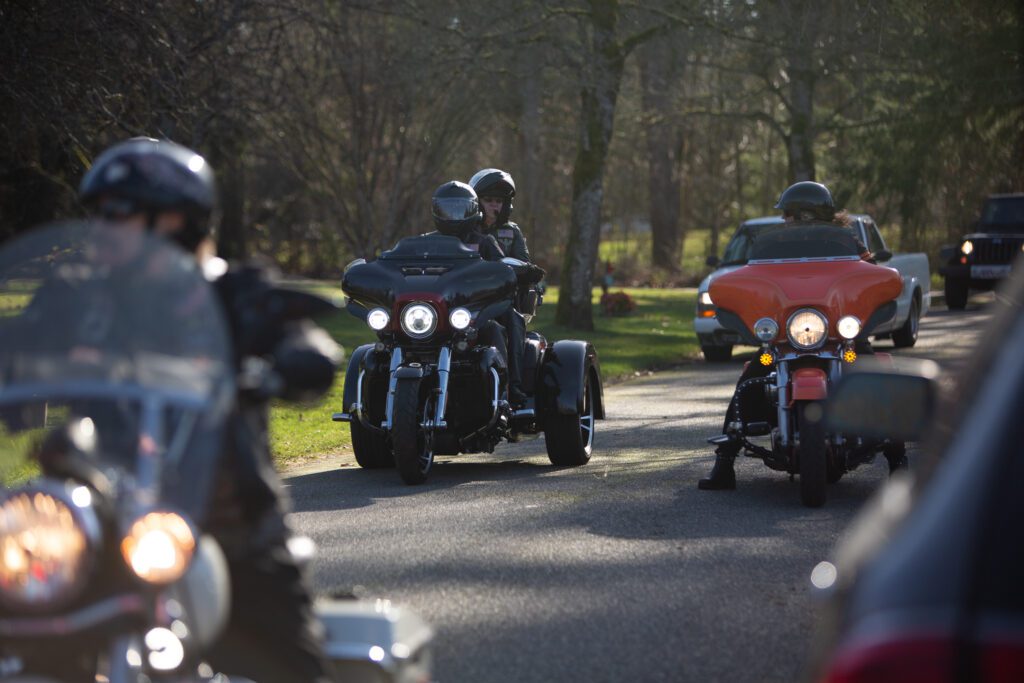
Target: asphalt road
pixel 618 570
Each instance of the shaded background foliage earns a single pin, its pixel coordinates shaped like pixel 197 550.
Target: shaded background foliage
pixel 331 121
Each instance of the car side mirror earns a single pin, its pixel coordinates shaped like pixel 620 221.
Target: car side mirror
pixel 947 254
pixel 883 255
pixel 881 400
pixel 712 261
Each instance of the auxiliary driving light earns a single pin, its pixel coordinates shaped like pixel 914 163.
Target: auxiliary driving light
pixel 378 319
pixel 849 327
pixel 460 318
pixel 159 547
pixel 766 329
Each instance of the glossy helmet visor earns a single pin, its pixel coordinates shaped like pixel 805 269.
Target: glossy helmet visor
pixel 455 209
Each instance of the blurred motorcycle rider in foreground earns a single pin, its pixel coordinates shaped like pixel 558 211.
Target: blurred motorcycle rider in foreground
pixel 161 187
pixel 456 212
pixel 803 202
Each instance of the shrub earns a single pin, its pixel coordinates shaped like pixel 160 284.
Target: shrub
pixel 617 303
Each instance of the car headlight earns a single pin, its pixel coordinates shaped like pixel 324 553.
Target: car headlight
pixel 705 299
pixel 159 547
pixel 967 247
pixel 806 328
pixel 419 320
pixel 460 318
pixel 849 327
pixel 378 319
pixel 766 329
pixel 48 536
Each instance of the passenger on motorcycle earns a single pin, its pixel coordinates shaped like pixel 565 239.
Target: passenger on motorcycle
pixel 456 211
pixel 803 202
pixel 496 190
pixel 272 635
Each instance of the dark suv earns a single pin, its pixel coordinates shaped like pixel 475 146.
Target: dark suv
pixel 984 257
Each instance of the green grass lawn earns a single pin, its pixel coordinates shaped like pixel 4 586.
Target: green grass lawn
pixel 658 334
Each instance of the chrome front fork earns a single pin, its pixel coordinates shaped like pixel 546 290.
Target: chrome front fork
pixel 389 408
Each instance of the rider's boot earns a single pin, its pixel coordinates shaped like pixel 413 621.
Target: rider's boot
pixel 516 348
pixel 896 455
pixel 723 474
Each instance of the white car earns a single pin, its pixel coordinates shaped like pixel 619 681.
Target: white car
pixel 716 341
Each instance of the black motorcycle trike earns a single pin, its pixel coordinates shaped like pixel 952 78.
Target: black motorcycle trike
pixel 435 382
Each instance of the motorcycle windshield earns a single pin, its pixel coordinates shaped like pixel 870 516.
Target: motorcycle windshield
pixel 120 333
pixel 431 265
pixel 805 241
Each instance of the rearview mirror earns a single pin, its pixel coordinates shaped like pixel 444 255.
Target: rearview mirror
pixel 883 255
pixel 884 400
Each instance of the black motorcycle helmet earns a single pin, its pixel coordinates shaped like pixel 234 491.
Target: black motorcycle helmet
pixel 149 176
pixel 807 200
pixel 456 209
pixel 493 182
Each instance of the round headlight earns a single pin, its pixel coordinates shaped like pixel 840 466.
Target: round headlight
pixel 378 319
pixel 419 320
pixel 460 318
pixel 159 547
pixel 46 545
pixel 806 328
pixel 967 247
pixel 766 329
pixel 849 327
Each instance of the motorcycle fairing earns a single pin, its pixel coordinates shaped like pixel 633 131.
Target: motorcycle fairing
pixel 433 268
pixel 836 287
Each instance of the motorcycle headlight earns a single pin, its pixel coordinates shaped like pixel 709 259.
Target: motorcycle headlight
pixel 159 547
pixel 48 536
pixel 460 318
pixel 766 329
pixel 419 320
pixel 849 327
pixel 806 328
pixel 378 319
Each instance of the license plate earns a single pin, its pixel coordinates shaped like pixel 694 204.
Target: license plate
pixel 989 272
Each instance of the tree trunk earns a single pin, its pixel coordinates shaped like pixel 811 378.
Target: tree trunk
pixel 800 143
pixel 601 79
pixel 656 62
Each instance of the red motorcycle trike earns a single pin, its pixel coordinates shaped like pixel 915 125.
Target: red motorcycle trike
pixel 809 301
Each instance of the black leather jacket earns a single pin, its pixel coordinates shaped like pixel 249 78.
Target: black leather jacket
pixel 510 238
pixel 250 502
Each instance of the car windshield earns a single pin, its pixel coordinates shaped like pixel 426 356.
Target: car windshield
pixel 805 241
pixel 1004 213
pixel 737 252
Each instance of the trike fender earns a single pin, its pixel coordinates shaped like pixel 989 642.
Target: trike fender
pixel 561 378
pixel 355 364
